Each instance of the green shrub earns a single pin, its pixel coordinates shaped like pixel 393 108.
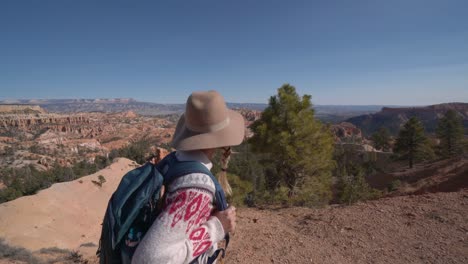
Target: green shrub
pixel 16 253
pixel 89 244
pixel 353 188
pixel 241 191
pixel 136 151
pixel 110 140
pixel 8 151
pixel 54 250
pixel 28 180
pixel 76 257
pixel 278 196
pixel 315 193
pixel 394 185
pixel 100 181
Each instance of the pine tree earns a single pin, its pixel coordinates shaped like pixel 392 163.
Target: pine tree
pixel 411 141
pixel 381 139
pixel 450 132
pixel 299 147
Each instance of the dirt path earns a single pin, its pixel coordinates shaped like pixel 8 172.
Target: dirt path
pixel 429 228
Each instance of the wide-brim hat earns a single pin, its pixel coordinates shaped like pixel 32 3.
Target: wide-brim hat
pixel 208 123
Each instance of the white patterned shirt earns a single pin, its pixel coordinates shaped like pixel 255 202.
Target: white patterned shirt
pixel 185 229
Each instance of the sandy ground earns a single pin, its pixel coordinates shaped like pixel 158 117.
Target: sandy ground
pixel 65 215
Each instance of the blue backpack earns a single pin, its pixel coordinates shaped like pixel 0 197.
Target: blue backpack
pixel 136 203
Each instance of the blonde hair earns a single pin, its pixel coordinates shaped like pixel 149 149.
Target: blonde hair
pixel 222 176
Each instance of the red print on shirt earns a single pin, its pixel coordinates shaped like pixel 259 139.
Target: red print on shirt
pixel 200 240
pixel 193 207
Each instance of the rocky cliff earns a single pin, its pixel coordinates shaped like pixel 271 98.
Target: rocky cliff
pixel 74 137
pixel 346 132
pixel 20 109
pixel 394 118
pixel 28 121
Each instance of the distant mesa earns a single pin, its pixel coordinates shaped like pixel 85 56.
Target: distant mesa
pixel 369 118
pixel 393 118
pixel 103 105
pixel 115 100
pixel 115 105
pixel 67 101
pixel 21 109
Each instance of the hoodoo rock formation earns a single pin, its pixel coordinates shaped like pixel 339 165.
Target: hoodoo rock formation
pixel 74 136
pixel 29 122
pixel 346 131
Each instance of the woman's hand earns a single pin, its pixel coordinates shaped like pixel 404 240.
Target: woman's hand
pixel 227 219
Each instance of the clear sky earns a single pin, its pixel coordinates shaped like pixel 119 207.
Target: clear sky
pixel 398 52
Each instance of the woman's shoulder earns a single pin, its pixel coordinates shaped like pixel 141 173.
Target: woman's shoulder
pixel 193 180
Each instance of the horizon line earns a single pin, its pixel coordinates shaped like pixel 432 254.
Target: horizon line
pixel 257 103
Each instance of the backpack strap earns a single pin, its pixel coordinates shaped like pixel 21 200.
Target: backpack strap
pixel 171 168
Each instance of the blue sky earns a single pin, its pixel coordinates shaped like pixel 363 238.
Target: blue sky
pixel 399 52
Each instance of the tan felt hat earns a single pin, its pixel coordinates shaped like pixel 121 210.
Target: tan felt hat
pixel 208 123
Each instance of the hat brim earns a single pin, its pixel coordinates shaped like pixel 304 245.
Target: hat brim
pixel 231 135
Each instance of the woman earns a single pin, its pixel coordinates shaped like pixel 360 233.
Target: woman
pixel 188 229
